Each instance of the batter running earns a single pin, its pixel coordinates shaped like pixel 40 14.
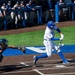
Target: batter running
pixel 49 42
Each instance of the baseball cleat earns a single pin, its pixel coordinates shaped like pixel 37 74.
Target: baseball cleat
pixel 65 62
pixel 34 59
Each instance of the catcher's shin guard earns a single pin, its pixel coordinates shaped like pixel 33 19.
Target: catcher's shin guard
pixel 1 57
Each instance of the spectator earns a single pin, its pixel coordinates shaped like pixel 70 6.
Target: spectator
pixel 1 19
pixel 49 10
pixel 8 14
pixel 30 6
pixel 23 14
pixel 8 6
pixel 63 12
pixel 15 14
pixel 3 7
pixel 69 8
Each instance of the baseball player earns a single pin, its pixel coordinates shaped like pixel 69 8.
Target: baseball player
pixel 4 46
pixel 49 42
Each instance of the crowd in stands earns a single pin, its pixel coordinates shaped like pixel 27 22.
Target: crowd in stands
pixel 22 14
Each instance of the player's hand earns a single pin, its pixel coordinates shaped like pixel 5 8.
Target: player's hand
pixel 62 37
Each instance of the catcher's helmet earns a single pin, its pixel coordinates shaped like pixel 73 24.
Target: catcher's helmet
pixel 3 40
pixel 50 24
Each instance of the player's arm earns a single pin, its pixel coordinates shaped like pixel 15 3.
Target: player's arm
pixel 14 47
pixel 54 39
pixel 22 48
pixel 59 31
pixel 11 46
pixel 50 37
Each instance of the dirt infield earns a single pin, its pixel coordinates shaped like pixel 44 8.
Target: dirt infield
pixel 49 66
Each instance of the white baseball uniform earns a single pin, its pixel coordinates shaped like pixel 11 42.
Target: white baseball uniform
pixel 48 42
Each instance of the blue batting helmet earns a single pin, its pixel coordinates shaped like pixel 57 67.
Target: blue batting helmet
pixel 50 24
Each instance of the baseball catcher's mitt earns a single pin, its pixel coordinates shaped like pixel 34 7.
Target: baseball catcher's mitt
pixel 22 48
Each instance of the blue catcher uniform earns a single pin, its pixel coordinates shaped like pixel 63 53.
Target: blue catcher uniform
pixel 49 42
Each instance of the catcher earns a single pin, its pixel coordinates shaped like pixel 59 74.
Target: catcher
pixel 4 46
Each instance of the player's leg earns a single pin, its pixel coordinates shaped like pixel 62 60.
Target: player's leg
pixel 45 55
pixel 39 57
pixel 65 61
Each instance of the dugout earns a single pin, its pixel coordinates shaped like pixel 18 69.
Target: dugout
pixel 38 3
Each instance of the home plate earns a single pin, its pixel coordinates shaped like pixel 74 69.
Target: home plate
pixel 24 64
pixel 60 66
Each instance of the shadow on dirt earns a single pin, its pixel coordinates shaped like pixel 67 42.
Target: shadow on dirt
pixel 9 68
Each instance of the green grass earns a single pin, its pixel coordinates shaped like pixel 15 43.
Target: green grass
pixel 69 33
pixel 28 38
pixel 36 38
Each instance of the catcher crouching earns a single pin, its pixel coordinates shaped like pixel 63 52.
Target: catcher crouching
pixel 4 46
